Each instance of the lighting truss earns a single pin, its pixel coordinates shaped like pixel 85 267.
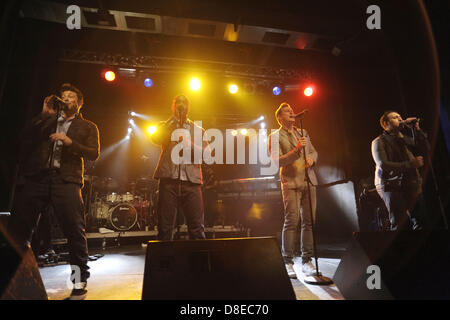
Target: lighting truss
pixel 173 65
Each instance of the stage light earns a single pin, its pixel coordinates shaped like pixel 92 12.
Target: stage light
pixel 152 129
pixel 244 132
pixel 234 132
pixel 195 84
pixel 129 130
pixel 263 125
pixel 127 137
pixel 308 91
pixel 141 116
pixel 131 121
pixel 276 90
pixel 148 82
pixel 233 88
pixel 110 75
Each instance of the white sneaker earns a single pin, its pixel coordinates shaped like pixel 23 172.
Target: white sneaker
pixel 79 291
pixel 290 271
pixel 308 268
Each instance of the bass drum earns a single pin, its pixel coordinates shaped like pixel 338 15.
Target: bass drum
pixel 122 217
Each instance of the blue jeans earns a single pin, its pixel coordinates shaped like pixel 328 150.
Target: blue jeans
pixel 297 211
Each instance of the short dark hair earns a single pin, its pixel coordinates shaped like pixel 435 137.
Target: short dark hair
pixel 384 118
pixel 177 97
pixel 280 108
pixel 71 87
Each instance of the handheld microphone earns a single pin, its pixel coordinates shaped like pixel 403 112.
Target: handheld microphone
pixel 301 114
pixel 409 121
pixel 57 99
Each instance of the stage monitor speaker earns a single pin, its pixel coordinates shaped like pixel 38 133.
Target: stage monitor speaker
pixel 19 274
pixel 396 265
pixel 216 269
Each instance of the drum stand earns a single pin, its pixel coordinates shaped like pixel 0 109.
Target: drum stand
pixel 317 278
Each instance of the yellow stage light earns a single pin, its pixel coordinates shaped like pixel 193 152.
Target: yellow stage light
pixel 233 88
pixel 244 132
pixel 195 84
pixel 151 130
pixel 234 132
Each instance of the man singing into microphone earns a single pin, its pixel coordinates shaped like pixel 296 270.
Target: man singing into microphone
pixel 294 175
pixel 54 148
pixel 397 178
pixel 179 183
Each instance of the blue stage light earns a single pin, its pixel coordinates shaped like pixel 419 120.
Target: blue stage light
pixel 276 90
pixel 148 82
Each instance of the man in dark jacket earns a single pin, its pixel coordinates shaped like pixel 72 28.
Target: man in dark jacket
pixel 397 179
pixel 52 165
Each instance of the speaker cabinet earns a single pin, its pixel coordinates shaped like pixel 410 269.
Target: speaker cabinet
pixel 19 274
pixel 396 265
pixel 216 269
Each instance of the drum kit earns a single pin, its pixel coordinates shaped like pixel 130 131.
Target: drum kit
pixel 116 208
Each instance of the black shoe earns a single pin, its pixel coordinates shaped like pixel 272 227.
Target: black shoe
pixel 79 291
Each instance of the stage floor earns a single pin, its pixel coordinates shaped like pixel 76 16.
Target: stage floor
pixel 118 275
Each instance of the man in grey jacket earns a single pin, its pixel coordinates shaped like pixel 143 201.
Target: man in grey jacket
pixel 294 175
pixel 179 183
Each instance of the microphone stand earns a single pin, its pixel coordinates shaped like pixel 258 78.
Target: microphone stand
pixel 317 278
pixel 52 156
pixel 179 125
pixel 52 152
pixel 415 132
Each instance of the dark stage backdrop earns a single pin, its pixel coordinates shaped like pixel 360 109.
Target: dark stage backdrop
pixel 352 92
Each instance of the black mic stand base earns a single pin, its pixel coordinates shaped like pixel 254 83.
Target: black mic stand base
pixel 319 280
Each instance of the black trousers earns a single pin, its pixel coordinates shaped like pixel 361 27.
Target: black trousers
pixel 50 190
pixel 400 205
pixel 186 195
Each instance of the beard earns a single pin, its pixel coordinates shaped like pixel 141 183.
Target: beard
pixel 70 110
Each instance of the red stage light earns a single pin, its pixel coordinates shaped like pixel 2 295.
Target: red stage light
pixel 110 76
pixel 308 91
